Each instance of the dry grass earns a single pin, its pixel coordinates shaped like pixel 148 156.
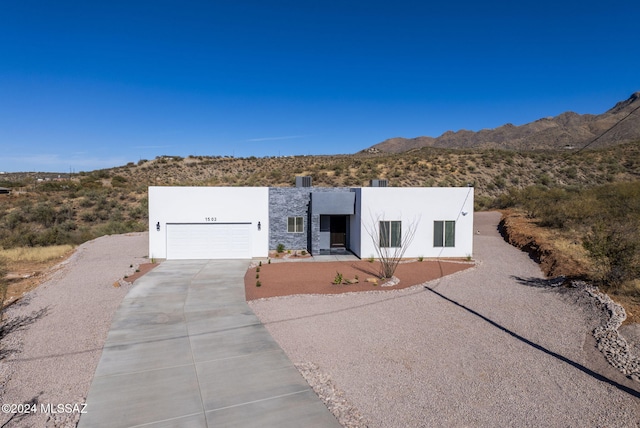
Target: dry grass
pixel 27 268
pixel 35 254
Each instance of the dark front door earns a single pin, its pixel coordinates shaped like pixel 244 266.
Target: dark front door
pixel 338 230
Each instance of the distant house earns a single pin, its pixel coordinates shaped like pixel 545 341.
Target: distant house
pixel 4 191
pixel 246 222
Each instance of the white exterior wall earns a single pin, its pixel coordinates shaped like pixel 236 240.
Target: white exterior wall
pixel 423 205
pixel 208 205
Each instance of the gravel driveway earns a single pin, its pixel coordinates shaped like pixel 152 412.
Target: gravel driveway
pixel 483 347
pixel 52 358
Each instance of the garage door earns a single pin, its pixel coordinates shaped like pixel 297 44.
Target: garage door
pixel 208 241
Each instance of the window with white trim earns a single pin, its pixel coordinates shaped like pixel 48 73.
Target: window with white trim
pixel 295 224
pixel 390 234
pixel 444 233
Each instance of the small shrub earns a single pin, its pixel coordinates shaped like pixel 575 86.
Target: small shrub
pixel 421 258
pixel 370 259
pixel 260 263
pixel 257 275
pixel 258 284
pixel 280 248
pixel 303 252
pixel 258 269
pixel 118 181
pixel 338 278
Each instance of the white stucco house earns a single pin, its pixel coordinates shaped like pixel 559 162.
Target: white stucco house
pixel 247 222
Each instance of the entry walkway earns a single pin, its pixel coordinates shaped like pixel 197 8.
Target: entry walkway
pixel 185 350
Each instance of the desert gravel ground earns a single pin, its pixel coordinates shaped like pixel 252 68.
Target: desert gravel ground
pixel 482 347
pixel 53 357
pixel 401 358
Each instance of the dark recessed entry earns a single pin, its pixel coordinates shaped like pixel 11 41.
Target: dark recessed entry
pixel 338 229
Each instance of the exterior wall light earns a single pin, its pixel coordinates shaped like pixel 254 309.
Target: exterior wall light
pixel 259 226
pixel 158 226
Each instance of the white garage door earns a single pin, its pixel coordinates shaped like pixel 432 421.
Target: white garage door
pixel 208 241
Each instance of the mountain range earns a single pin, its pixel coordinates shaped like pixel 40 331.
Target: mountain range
pixel 569 130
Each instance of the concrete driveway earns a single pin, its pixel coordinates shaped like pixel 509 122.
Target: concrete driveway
pixel 185 350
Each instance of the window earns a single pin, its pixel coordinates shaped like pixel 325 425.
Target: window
pixel 295 225
pixel 444 233
pixel 325 223
pixel 390 234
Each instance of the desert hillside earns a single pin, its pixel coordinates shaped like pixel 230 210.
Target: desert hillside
pixel 554 189
pixel 61 208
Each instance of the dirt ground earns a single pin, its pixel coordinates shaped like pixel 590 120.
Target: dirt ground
pixel 283 279
pixel 25 276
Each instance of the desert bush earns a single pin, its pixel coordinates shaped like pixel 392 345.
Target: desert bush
pixel 65 213
pixel 116 215
pixel 137 213
pixel 51 236
pixel 118 181
pixel 44 214
pixel 68 225
pixel 119 227
pixel 101 214
pixel 13 219
pixel 90 182
pixel 88 217
pixel 24 235
pixel 100 174
pixel 544 179
pixel 87 202
pixel 614 248
pixel 57 186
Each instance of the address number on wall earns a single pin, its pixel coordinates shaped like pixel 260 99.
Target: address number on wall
pixel 210 219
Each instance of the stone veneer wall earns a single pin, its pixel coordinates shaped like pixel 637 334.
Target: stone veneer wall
pixel 287 202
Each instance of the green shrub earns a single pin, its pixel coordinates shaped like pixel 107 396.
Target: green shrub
pixel 118 181
pixel 43 214
pixel 614 247
pixel 338 278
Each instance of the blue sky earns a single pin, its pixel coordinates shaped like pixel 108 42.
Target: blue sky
pixel 95 84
